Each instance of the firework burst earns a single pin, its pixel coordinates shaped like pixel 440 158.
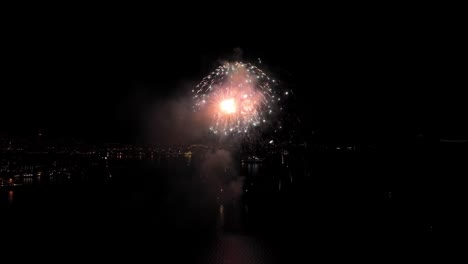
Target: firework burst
pixel 238 97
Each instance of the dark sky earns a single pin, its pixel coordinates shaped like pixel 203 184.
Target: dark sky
pixel 95 80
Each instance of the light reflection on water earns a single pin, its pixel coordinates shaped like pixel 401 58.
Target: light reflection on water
pixel 105 174
pixel 257 211
pixel 253 168
pixel 28 181
pixel 221 215
pixel 232 213
pixel 10 197
pixel 236 248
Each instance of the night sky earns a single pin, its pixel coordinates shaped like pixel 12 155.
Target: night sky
pixel 392 86
pixel 352 81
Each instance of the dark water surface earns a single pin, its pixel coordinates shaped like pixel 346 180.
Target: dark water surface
pixel 216 209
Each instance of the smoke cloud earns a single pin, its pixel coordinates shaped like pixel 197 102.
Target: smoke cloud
pixel 174 122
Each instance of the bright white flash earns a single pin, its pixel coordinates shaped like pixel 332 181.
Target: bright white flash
pixel 228 106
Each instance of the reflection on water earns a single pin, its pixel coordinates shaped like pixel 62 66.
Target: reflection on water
pixel 242 195
pixel 10 197
pixel 221 215
pixel 28 181
pixel 188 157
pixel 253 168
pixel 235 248
pixel 248 201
